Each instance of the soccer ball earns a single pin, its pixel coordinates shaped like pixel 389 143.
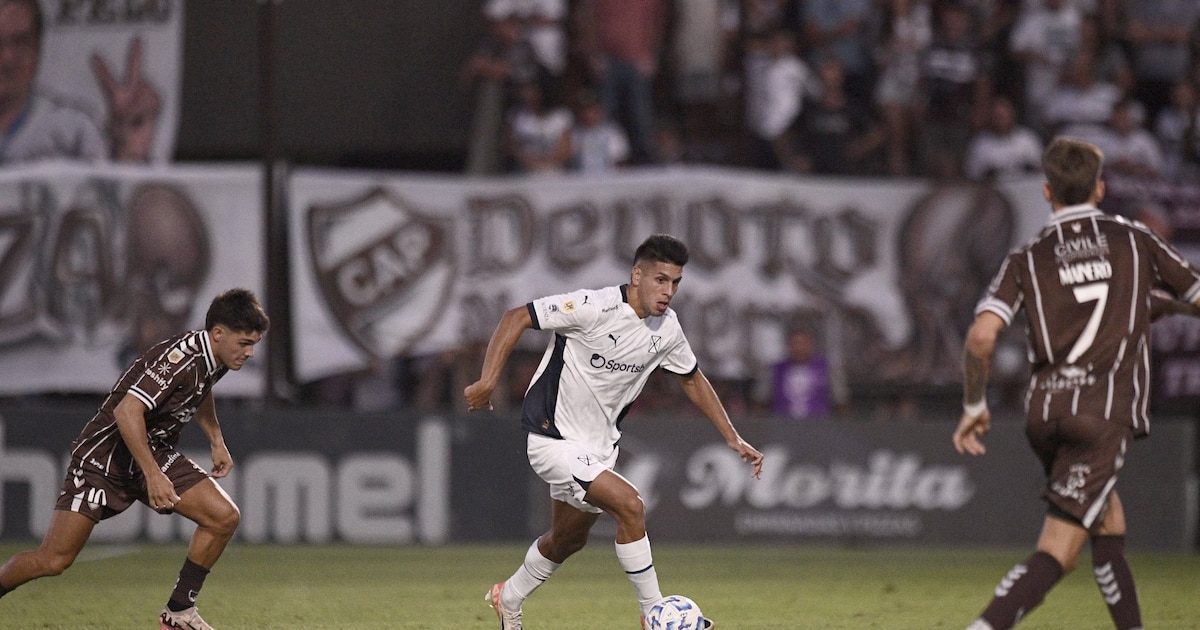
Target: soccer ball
pixel 676 613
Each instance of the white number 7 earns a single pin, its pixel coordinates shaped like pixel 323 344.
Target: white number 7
pixel 1098 293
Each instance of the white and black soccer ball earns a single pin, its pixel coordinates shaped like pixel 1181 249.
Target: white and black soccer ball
pixel 676 613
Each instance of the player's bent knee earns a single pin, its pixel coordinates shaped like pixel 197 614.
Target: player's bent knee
pixel 53 564
pixel 229 519
pixel 566 544
pixel 222 520
pixel 630 508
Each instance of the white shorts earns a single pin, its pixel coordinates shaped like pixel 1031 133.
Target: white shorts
pixel 568 468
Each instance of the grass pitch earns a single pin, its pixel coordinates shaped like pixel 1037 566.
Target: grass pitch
pixel 442 588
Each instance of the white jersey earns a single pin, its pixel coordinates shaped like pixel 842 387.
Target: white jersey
pixel 51 129
pixel 597 364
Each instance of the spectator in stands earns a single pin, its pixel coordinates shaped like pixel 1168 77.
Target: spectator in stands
pixel 702 35
pixel 542 28
pixel 539 136
pixel 1175 128
pixel 840 28
pixel 1005 149
pixel 1132 147
pixel 503 55
pixel 777 83
pixel 598 145
pixel 1045 37
pixel 761 17
pixel 1159 33
pixel 837 135
pixel 501 61
pixel 908 32
pixel 804 385
pixel 1110 63
pixel 623 40
pixel 1128 146
pixel 954 80
pixel 996 20
pixel 1079 98
pixel 37 126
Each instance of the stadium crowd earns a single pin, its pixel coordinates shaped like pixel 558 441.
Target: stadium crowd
pixel 927 88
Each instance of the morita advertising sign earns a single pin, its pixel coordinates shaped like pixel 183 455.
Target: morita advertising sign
pixel 884 482
pixel 318 476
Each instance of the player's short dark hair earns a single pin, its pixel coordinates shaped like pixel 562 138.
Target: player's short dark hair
pixel 239 311
pixel 662 248
pixel 1072 169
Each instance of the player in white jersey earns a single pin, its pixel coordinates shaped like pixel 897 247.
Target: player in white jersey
pixel 606 344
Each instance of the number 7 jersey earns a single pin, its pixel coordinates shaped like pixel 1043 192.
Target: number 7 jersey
pixel 597 363
pixel 1084 283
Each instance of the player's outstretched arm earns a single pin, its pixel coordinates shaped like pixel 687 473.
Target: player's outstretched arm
pixel 206 417
pixel 512 324
pixel 131 422
pixel 1163 304
pixel 700 391
pixel 977 356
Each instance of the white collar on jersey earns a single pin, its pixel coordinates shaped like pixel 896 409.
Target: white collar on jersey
pixel 1072 213
pixel 206 351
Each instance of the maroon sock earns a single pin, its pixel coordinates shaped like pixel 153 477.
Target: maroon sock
pixel 187 587
pixel 1022 590
pixel 1116 581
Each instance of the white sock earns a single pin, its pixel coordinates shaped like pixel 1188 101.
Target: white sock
pixel 635 558
pixel 535 570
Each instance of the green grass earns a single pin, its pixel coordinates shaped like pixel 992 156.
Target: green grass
pixel 441 588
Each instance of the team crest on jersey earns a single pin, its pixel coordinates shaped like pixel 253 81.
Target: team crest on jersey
pixel 654 341
pixel 569 306
pixel 385 270
pixel 175 356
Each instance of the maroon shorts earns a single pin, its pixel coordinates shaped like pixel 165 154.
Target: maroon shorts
pixel 90 492
pixel 1081 456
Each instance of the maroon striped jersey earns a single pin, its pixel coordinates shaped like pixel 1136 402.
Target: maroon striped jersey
pixel 170 379
pixel 1084 283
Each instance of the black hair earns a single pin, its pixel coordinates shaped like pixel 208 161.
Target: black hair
pixel 239 311
pixel 662 248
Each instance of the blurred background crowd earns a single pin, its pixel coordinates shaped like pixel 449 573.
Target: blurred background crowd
pixel 930 88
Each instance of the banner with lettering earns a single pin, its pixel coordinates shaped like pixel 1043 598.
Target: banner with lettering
pixel 386 264
pixel 119 65
pixel 97 263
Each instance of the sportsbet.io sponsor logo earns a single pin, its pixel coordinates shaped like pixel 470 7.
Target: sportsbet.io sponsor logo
pixel 600 363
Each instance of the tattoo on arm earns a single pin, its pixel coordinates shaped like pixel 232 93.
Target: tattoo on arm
pixel 975 373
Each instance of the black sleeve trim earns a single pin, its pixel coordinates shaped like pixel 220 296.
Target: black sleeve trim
pixel 533 316
pixel 695 368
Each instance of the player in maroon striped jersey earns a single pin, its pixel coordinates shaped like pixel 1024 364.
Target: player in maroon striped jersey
pixel 1088 284
pixel 127 453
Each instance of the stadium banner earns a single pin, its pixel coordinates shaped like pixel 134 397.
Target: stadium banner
pixel 317 476
pixel 118 63
pixel 387 264
pixel 99 262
